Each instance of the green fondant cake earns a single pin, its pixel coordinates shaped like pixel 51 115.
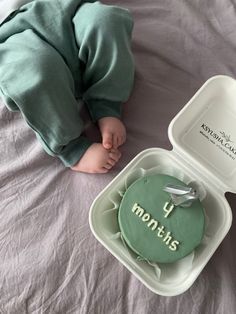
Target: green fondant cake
pixel 152 228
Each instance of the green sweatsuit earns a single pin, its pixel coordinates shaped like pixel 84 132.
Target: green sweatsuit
pixel 55 52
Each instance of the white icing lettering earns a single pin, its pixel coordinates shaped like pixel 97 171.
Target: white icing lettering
pixel 161 232
pixel 167 238
pixel 168 208
pixel 154 223
pixel 135 206
pixel 139 211
pixel 174 245
pixel 146 217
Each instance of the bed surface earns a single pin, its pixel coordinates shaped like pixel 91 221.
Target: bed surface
pixel 50 261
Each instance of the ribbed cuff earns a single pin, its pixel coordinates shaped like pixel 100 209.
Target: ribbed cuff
pixel 72 152
pixel 100 108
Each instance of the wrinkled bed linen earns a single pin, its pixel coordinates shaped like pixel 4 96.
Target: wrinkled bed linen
pixel 50 261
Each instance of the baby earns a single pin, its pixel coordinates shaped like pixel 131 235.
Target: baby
pixel 55 52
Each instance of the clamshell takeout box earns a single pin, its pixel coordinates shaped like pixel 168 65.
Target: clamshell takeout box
pixel 203 135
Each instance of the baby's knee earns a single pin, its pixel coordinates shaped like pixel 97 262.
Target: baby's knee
pixel 48 68
pixel 33 56
pixel 109 17
pixel 105 18
pixel 44 61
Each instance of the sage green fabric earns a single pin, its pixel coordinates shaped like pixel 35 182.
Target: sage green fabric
pixel 185 225
pixel 55 52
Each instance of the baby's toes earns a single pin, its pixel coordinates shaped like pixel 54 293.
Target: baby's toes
pixel 121 140
pixel 107 140
pixel 111 162
pixel 115 155
pixel 102 170
pixel 108 166
pixel 115 141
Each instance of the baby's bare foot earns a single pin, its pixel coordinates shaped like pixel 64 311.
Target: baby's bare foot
pixel 113 132
pixel 97 159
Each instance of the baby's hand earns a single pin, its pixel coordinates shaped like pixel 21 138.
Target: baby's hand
pixel 113 132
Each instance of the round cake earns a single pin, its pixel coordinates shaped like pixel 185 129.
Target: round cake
pixel 153 227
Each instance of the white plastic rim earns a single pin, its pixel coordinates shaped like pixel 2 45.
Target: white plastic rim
pixel 203 133
pixel 103 225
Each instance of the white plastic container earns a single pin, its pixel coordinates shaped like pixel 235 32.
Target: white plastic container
pixel 203 135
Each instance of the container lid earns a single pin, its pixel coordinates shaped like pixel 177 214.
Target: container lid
pixel 204 132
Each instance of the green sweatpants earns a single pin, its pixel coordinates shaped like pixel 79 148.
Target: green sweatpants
pixel 54 52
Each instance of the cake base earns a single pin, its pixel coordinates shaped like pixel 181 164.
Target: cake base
pixel 152 228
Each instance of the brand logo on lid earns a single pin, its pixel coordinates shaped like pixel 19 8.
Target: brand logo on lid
pixel 226 137
pixel 220 139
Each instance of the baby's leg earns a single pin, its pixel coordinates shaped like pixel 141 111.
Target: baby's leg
pixel 35 80
pixel 103 34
